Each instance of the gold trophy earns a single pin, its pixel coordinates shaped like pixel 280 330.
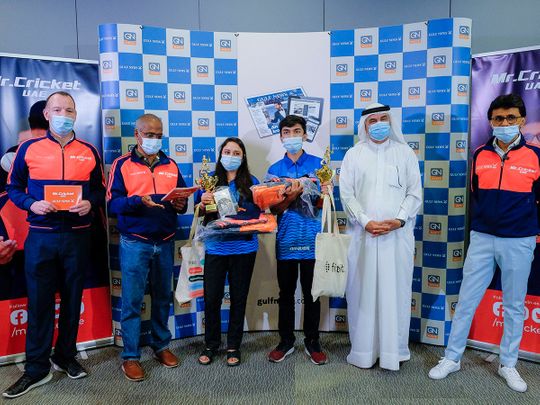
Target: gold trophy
pixel 207 182
pixel 325 173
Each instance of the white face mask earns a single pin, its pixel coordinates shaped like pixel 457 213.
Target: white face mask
pixel 151 146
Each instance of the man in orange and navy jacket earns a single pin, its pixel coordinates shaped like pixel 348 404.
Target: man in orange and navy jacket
pixel 505 190
pixel 137 183
pixel 56 249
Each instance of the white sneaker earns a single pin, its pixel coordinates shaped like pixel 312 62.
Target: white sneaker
pixel 445 367
pixel 513 379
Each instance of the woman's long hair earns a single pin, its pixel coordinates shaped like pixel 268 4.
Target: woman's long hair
pixel 243 176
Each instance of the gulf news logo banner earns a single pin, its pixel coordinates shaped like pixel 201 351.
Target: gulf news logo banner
pixel 422 70
pixel 189 80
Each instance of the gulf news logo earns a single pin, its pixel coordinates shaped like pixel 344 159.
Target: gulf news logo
pixel 439 62
pixel 457 255
pixel 177 42
pixel 154 68
pixel 432 332
pixel 116 283
pixel 366 94
pixel 366 41
pixel 434 281
pixel 132 95
pixel 435 228
pixel 340 319
pixel 415 146
pixel 179 96
pixel 225 45
pixel 436 174
pixel 180 149
pixel 464 32
pixel 390 66
pixel 415 37
pixel 202 70
pixel 341 121
pixel 110 123
pixel 342 69
pixel 459 201
pixel 203 123
pixel 106 66
pixel 462 89
pixel 226 97
pixel 437 118
pixel 461 146
pixel 414 92
pixel 130 38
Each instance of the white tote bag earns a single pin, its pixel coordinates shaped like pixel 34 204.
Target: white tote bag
pixel 191 278
pixel 331 249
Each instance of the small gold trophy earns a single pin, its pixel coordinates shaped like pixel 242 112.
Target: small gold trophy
pixel 325 173
pixel 207 182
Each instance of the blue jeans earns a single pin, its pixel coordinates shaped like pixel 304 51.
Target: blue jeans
pixel 514 256
pixel 139 262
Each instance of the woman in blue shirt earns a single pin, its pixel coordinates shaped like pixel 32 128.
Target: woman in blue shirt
pixel 230 255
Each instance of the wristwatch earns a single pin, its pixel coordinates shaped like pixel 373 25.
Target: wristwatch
pixel 402 222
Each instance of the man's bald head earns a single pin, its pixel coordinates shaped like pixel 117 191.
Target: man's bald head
pixel 146 119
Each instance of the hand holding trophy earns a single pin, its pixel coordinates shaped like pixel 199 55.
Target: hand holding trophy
pixel 208 183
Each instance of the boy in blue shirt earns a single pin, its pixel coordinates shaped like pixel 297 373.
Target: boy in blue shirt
pixel 295 244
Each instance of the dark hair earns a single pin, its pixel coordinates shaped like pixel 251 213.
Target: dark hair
pixel 243 179
pixel 507 101
pixel 291 121
pixel 36 119
pixel 60 93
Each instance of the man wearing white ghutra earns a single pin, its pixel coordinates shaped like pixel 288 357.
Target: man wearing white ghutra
pixel 381 193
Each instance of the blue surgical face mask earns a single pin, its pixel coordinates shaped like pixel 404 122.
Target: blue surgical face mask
pixel 231 163
pixel 151 146
pixel 506 134
pixel 61 125
pixel 293 145
pixel 379 131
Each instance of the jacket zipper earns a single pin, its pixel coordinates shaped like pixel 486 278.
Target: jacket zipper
pixel 503 158
pixel 153 181
pixel 62 161
pixel 153 177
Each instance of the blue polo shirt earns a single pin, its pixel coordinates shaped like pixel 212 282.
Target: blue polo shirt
pixel 231 244
pixel 295 239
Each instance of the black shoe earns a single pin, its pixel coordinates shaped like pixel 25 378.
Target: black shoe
pixel 72 368
pixel 25 384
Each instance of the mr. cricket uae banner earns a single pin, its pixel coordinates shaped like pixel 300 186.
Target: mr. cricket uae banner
pixel 23 82
pixel 503 73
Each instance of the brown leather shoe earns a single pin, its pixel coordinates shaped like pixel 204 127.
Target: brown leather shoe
pixel 166 358
pixel 133 370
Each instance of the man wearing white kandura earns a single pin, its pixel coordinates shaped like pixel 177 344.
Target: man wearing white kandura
pixel 381 193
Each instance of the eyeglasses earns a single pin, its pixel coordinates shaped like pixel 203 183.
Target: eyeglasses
pixel 150 135
pixel 499 119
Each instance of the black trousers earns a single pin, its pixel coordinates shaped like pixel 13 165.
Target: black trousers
pixel 287 274
pixel 54 261
pixel 239 269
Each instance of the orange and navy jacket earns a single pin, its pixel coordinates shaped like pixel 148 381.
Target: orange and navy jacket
pixel 43 161
pixel 505 191
pixel 130 179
